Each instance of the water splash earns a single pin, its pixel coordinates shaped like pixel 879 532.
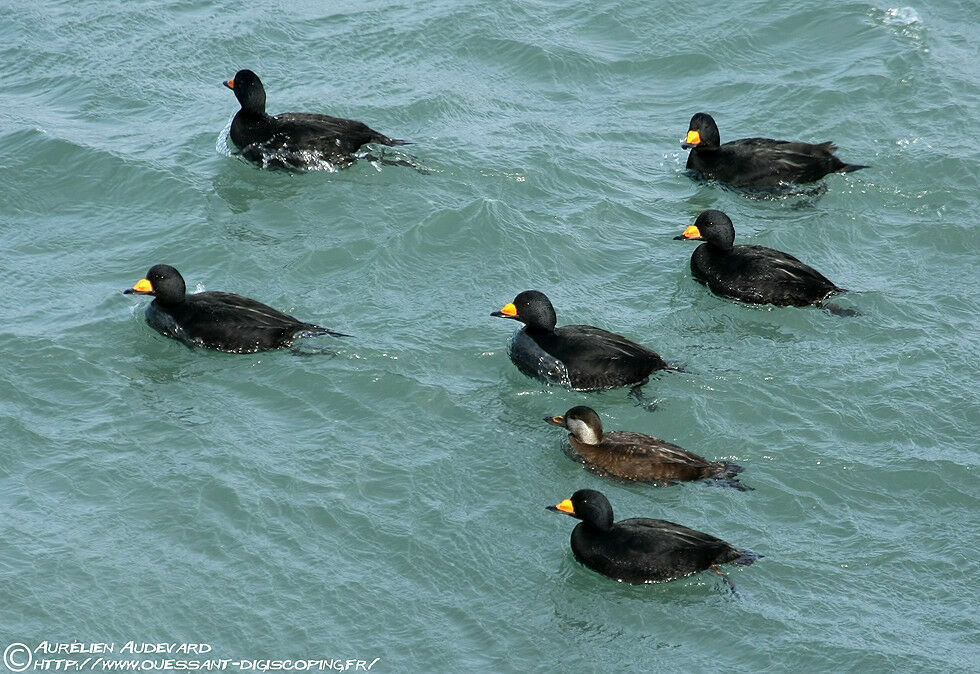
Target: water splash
pixel 280 157
pixel 905 20
pixel 902 16
pixel 534 361
pixel 222 144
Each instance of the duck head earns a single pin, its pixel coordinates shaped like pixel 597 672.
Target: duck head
pixel 163 282
pixel 248 90
pixel 702 133
pixel 582 422
pixel 713 227
pixel 532 308
pixel 588 505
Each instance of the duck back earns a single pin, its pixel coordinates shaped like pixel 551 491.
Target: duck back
pixel 765 162
pixel 595 358
pixel 296 132
pixel 226 322
pixel 643 550
pixel 636 456
pixel 760 275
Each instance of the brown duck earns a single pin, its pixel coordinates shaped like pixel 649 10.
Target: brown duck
pixel 637 457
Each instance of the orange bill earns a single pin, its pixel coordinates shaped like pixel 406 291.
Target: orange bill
pixel 566 507
pixel 143 286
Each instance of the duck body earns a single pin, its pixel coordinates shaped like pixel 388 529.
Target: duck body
pixel 293 137
pixel 227 322
pixel 218 320
pixel 765 162
pixel 292 133
pixel 631 456
pixel 583 357
pixel 752 274
pixel 758 162
pixel 640 549
pixel 760 275
pixel 643 550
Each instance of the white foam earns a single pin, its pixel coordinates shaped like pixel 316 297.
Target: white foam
pixel 902 16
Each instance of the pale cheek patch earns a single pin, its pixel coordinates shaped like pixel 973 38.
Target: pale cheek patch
pixel 580 430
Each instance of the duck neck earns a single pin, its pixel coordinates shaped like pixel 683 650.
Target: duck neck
pixel 169 301
pixel 599 524
pixel 582 432
pixel 538 329
pixel 722 239
pixel 252 115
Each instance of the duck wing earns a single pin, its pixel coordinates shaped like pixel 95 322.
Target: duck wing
pixel 236 309
pixel 323 133
pixel 789 280
pixel 760 275
pixel 767 162
pixel 597 358
pixel 230 322
pixel 639 457
pixel 641 445
pixel 674 541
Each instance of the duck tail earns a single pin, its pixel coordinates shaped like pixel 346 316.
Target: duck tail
pixel 384 140
pixel 730 482
pixel 727 477
pixel 747 557
pixel 316 331
pixel 729 469
pixel 838 310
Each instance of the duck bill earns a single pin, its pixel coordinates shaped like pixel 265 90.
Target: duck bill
pixel 230 84
pixel 693 140
pixel 142 287
pixel 555 421
pixel 508 311
pixel 564 507
pixel 692 233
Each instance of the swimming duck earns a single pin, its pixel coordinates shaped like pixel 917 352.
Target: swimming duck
pixel 216 320
pixel 581 356
pixel 635 456
pixel 758 162
pixel 753 274
pixel 294 138
pixel 642 550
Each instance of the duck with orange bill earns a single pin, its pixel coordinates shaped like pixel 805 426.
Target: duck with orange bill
pixel 753 274
pixel 217 320
pixel 758 162
pixel 642 550
pixel 583 357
